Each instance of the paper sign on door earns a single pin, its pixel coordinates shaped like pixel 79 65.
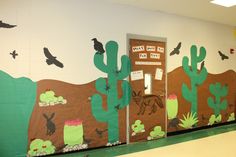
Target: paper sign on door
pixel 151 48
pixel 159 74
pixel 142 56
pixel 155 55
pixel 136 75
pixel 160 49
pixel 138 48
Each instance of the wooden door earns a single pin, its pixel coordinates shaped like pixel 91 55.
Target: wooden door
pixel 147 79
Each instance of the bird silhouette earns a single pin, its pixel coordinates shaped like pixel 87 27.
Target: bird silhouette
pixel 51 59
pixel 223 56
pixel 202 65
pixel 5 25
pixel 100 132
pixel 98 46
pixel 176 50
pixel 14 54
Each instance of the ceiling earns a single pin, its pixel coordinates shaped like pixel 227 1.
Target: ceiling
pixel 200 9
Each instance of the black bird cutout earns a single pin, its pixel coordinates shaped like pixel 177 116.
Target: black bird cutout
pixel 176 50
pixel 51 59
pixel 223 56
pixel 5 25
pixel 98 46
pixel 14 54
pixel 202 65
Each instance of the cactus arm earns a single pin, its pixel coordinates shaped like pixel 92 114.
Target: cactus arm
pixel 186 67
pixel 98 60
pixel 202 76
pixel 126 90
pixel 223 105
pixel 224 91
pixel 194 58
pixel 202 55
pixel 125 68
pixel 101 85
pixel 98 112
pixel 211 102
pixel 187 94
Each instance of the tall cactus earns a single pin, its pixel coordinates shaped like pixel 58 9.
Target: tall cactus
pixel 109 88
pixel 218 92
pixel 196 77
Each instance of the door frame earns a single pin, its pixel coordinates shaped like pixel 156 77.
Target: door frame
pixel 151 38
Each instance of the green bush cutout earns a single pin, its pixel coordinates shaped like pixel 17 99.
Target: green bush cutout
pixel 214 119
pixel 39 147
pixel 137 127
pixel 231 117
pixel 197 78
pixel 189 121
pixel 172 106
pixel 156 133
pixel 48 98
pixel 217 105
pixel 109 88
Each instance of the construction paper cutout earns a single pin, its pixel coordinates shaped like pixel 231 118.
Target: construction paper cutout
pixel 223 56
pixel 231 117
pixel 142 101
pixel 14 54
pixel 6 25
pixel 202 65
pixel 217 105
pixel 137 127
pixel 189 121
pixel 150 48
pixel 159 74
pixel 197 78
pixel 155 55
pixel 147 83
pixel 51 127
pixel 49 98
pixel 176 50
pixel 160 49
pixel 40 147
pixel 215 119
pixel 156 133
pixel 142 56
pixel 231 51
pixel 136 75
pixel 110 116
pixel 147 63
pixel 100 132
pixel 138 48
pixel 172 106
pixel 51 59
pixel 98 46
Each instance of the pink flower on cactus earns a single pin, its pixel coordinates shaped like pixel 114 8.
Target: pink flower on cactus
pixel 73 122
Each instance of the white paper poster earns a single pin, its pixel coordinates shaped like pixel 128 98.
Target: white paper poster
pixel 159 74
pixel 147 63
pixel 151 48
pixel 136 75
pixel 155 55
pixel 160 49
pixel 138 48
pixel 142 56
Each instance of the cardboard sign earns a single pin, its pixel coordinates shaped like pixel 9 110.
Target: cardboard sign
pixel 151 48
pixel 155 55
pixel 159 74
pixel 142 56
pixel 136 75
pixel 160 49
pixel 147 63
pixel 138 48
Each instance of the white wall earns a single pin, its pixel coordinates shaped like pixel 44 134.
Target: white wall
pixel 66 27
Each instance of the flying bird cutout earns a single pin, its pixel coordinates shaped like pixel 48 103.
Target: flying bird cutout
pixel 176 50
pixel 98 46
pixel 52 59
pixel 5 25
pixel 14 54
pixel 223 56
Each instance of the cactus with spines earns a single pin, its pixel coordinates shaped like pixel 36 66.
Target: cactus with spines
pixel 109 88
pixel 218 91
pixel 197 77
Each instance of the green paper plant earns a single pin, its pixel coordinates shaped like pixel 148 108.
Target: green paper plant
pixel 156 133
pixel 214 119
pixel 109 88
pixel 231 117
pixel 49 98
pixel 196 78
pixel 137 127
pixel 217 105
pixel 189 121
pixel 39 147
pixel 172 106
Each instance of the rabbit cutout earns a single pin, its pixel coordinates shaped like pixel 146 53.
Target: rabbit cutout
pixel 51 128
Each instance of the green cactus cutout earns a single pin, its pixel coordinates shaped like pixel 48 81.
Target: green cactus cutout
pixel 197 78
pixel 214 119
pixel 217 105
pixel 109 88
pixel 172 106
pixel 156 133
pixel 40 147
pixel 137 127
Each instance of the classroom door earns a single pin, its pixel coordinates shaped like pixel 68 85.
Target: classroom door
pixel 147 107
